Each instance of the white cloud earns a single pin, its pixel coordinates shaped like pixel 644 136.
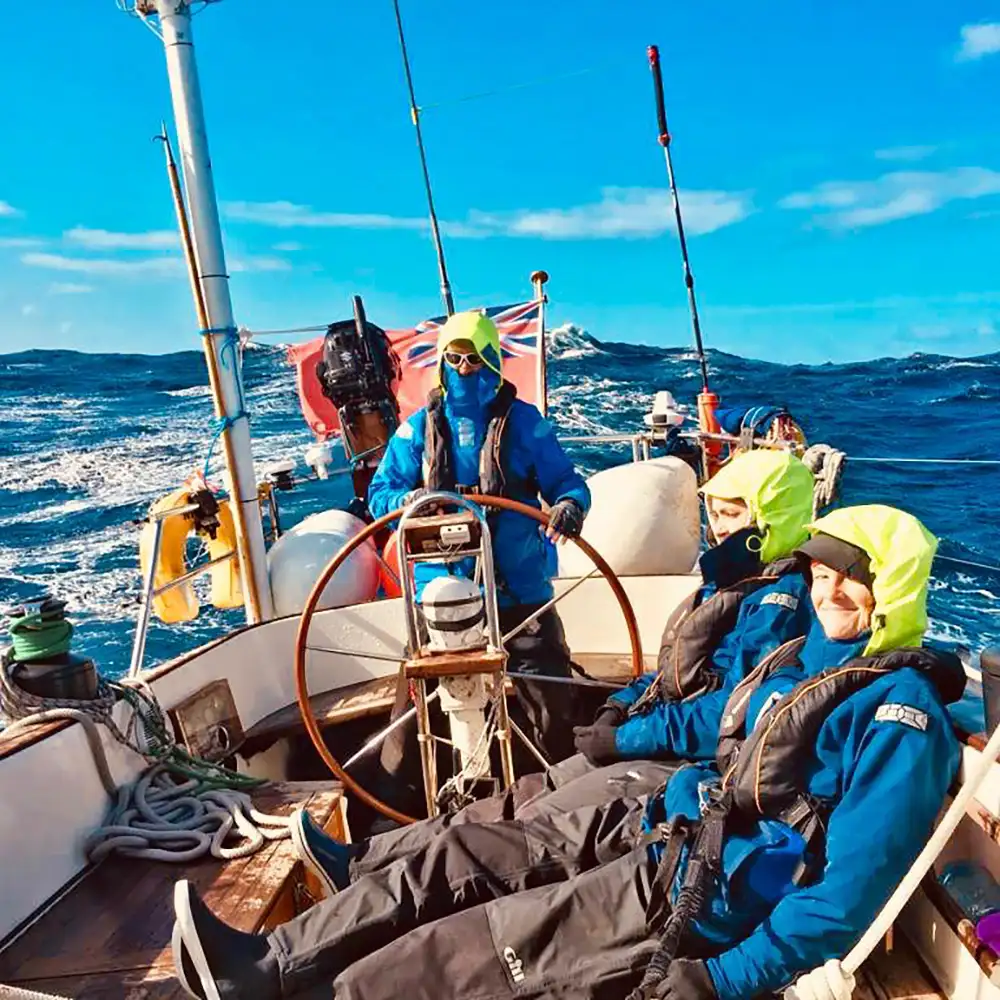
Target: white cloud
pixel 21 242
pixel 65 326
pixel 148 266
pixel 907 154
pixel 69 288
pixel 28 310
pixel 287 215
pixel 898 195
pixel 621 213
pixel 288 247
pixel 103 265
pixel 102 239
pixel 979 40
pixel 257 263
pixel 8 211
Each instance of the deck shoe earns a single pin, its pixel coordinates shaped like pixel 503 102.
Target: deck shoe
pixel 215 962
pixel 327 859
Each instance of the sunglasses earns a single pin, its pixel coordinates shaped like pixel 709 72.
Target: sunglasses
pixel 455 359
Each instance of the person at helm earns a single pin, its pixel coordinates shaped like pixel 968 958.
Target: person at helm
pixel 815 742
pixel 475 435
pixel 752 599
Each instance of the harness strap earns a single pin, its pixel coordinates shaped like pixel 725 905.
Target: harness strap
pixel 703 866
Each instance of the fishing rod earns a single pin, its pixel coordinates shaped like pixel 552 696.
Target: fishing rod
pixel 708 401
pixel 449 303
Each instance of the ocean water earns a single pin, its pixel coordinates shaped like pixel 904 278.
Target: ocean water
pixel 88 441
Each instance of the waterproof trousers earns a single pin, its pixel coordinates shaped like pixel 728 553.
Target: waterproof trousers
pixel 571 785
pixel 586 883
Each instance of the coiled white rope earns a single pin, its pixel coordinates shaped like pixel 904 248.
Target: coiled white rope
pixel 827 466
pixel 177 810
pixel 161 819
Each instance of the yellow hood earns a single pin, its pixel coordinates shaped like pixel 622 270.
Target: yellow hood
pixel 478 328
pixel 901 551
pixel 777 488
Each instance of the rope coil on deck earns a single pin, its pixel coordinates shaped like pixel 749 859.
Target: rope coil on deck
pixel 178 809
pixel 826 463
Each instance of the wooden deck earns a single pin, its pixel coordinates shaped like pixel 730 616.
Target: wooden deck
pixel 109 936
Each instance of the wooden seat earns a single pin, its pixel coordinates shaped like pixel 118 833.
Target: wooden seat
pixel 896 975
pixel 109 936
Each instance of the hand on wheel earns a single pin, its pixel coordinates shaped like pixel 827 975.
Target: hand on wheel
pixel 565 521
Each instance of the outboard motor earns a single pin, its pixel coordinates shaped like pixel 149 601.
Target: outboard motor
pixel 357 373
pixel 39 662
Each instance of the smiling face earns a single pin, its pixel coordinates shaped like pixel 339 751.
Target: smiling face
pixel 844 606
pixel 726 517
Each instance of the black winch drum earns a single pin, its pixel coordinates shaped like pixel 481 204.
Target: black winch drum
pixel 989 663
pixel 67 676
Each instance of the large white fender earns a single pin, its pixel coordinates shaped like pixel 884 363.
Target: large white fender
pixel 298 557
pixel 644 519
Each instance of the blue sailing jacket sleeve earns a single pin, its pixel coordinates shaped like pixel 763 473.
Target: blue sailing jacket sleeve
pixel 557 478
pixel 690 729
pixel 401 468
pixel 632 692
pixel 889 732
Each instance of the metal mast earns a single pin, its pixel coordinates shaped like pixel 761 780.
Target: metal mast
pixel 220 338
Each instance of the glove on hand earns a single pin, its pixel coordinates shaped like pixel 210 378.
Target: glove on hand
pixel 687 979
pixel 597 744
pixel 565 520
pixel 413 495
pixel 611 713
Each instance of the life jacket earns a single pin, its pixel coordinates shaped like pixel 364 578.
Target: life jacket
pixel 763 773
pixel 692 634
pixel 495 476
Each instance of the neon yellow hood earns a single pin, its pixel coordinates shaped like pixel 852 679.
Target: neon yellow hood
pixel 777 488
pixel 901 550
pixel 478 328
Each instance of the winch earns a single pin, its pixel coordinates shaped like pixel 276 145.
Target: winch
pixel 39 661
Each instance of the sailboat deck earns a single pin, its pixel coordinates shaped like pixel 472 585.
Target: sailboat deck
pixel 109 936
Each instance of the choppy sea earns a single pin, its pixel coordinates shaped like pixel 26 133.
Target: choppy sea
pixel 87 441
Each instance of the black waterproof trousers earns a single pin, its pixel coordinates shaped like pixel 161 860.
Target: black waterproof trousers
pixel 484 910
pixel 571 785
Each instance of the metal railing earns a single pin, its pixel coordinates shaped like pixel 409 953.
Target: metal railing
pixel 150 591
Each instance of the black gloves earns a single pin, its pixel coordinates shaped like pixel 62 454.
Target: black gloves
pixel 687 980
pixel 417 494
pixel 611 713
pixel 597 744
pixel 566 519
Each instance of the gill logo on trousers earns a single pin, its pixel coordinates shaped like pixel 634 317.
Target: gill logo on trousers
pixel 514 964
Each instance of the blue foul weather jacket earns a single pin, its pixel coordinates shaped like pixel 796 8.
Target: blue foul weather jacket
pixel 861 768
pixel 523 559
pixel 689 729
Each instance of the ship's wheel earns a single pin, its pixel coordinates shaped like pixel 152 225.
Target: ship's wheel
pixel 302 646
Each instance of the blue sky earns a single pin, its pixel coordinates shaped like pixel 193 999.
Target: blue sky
pixel 839 168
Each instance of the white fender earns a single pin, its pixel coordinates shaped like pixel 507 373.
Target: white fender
pixel 298 557
pixel 644 519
